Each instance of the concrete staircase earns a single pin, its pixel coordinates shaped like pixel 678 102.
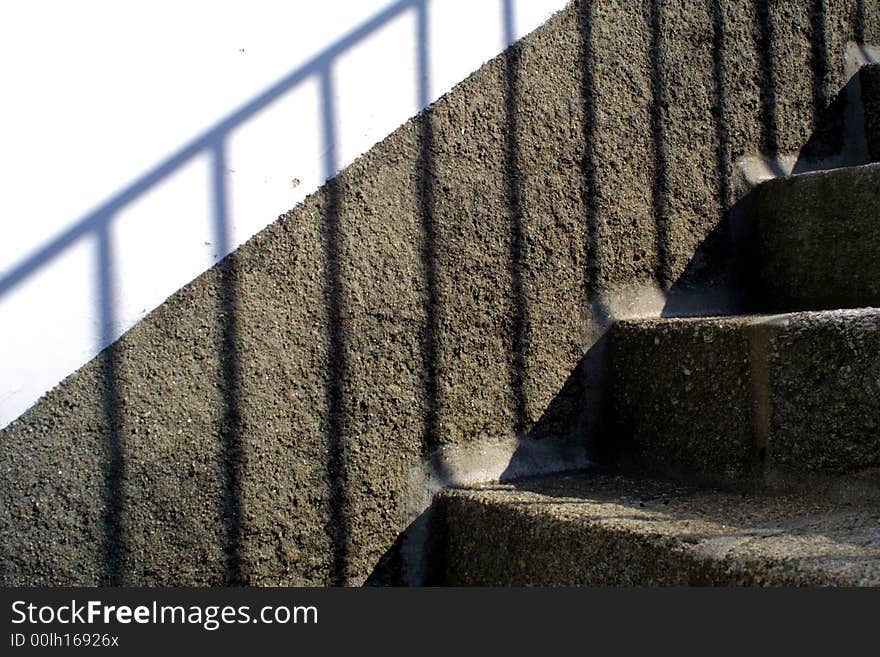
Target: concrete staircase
pixel 317 408
pixel 739 449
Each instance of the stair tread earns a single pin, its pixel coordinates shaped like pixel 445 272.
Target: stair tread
pixel 812 317
pixel 640 531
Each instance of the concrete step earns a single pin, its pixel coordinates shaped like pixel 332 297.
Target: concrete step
pixel 818 239
pixel 727 399
pixel 597 530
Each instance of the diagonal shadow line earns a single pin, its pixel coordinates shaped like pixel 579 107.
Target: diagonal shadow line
pixel 230 366
pixel 102 216
pixel 660 188
pixel 513 191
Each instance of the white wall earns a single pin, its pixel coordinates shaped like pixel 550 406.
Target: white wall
pixel 141 142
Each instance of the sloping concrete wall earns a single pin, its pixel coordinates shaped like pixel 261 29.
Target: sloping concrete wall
pixel 277 420
pixel 258 104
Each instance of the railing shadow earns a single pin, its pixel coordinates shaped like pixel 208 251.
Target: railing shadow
pixel 860 19
pixel 417 555
pixel 660 187
pixel 585 380
pixel 767 70
pixel 98 225
pixel 517 256
pixel 431 304
pixel 581 416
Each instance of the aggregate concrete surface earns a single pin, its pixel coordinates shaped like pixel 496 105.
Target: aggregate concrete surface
pixel 601 530
pixel 870 81
pixel 726 398
pixel 818 239
pixel 260 426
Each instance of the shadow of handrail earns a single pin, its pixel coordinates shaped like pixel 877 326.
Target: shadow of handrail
pixel 208 142
pixel 97 223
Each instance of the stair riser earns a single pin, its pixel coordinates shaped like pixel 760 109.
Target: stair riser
pixel 726 400
pixel 818 240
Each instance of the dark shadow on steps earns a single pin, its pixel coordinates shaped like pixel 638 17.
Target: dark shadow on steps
pixel 721 277
pixel 418 555
pixel 824 148
pixel 571 430
pixel 834 119
pixel 718 278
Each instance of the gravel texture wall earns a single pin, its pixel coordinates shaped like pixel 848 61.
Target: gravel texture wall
pixel 817 239
pixel 264 425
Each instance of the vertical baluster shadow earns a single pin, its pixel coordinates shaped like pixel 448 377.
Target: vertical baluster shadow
pixel 113 457
pixel 230 371
pixel 660 187
pixel 417 557
pixel 426 175
pixel 722 138
pixel 593 420
pixel 592 270
pixel 513 192
pixel 575 422
pixel 734 235
pixel 767 75
pixel 819 61
pixel 338 522
pixel 833 114
pixel 859 19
